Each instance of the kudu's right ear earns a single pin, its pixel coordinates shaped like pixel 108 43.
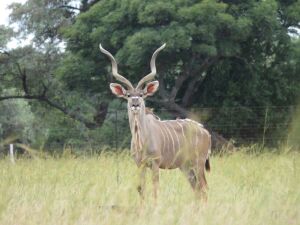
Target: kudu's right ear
pixel 117 90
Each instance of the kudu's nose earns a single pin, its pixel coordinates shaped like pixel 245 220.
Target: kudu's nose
pixel 135 102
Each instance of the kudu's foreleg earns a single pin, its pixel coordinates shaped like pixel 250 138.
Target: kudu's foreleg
pixel 155 179
pixel 142 181
pixel 196 177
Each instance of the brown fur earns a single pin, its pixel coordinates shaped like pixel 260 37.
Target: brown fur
pixel 169 144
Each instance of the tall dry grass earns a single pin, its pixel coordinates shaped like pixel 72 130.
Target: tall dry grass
pixel 243 189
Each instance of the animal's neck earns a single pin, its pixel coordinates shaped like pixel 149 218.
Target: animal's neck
pixel 137 122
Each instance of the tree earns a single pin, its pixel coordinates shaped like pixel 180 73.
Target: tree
pixel 202 38
pixel 15 121
pixel 31 69
pixel 219 54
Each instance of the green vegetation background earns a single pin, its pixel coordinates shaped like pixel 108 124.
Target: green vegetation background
pixel 234 64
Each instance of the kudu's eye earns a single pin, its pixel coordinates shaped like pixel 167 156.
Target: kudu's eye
pixel 128 95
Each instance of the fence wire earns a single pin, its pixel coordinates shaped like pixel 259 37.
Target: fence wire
pixel 242 125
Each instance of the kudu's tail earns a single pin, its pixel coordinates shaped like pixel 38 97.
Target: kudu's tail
pixel 207 165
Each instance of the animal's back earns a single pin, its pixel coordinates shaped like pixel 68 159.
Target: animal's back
pixel 182 140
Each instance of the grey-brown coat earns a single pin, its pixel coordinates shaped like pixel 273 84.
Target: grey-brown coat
pixel 167 144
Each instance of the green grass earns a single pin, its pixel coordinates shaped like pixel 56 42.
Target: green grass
pixel 243 189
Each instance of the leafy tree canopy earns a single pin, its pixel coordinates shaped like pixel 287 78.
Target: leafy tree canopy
pixel 221 54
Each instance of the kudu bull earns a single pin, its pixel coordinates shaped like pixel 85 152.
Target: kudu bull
pixel 169 144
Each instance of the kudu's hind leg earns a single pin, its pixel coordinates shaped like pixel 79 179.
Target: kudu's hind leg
pixel 201 186
pixel 196 178
pixel 191 176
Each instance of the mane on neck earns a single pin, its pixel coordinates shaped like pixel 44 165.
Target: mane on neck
pixel 149 111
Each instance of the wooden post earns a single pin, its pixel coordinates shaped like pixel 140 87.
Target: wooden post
pixel 265 126
pixel 11 153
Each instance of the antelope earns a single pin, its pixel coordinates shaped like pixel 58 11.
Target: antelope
pixel 157 144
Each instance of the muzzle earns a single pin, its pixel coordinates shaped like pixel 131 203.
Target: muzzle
pixel 135 104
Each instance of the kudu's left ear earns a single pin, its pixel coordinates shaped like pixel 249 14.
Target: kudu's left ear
pixel 151 88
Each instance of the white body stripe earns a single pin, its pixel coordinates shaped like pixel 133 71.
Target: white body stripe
pixel 163 137
pixel 182 130
pixel 175 135
pixel 167 135
pixel 171 138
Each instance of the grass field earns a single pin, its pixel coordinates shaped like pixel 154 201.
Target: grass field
pixel 243 189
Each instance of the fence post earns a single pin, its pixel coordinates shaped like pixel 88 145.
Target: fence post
pixel 117 146
pixel 265 125
pixel 11 153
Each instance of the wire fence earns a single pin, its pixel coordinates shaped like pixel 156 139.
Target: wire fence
pixel 269 126
pixel 241 125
